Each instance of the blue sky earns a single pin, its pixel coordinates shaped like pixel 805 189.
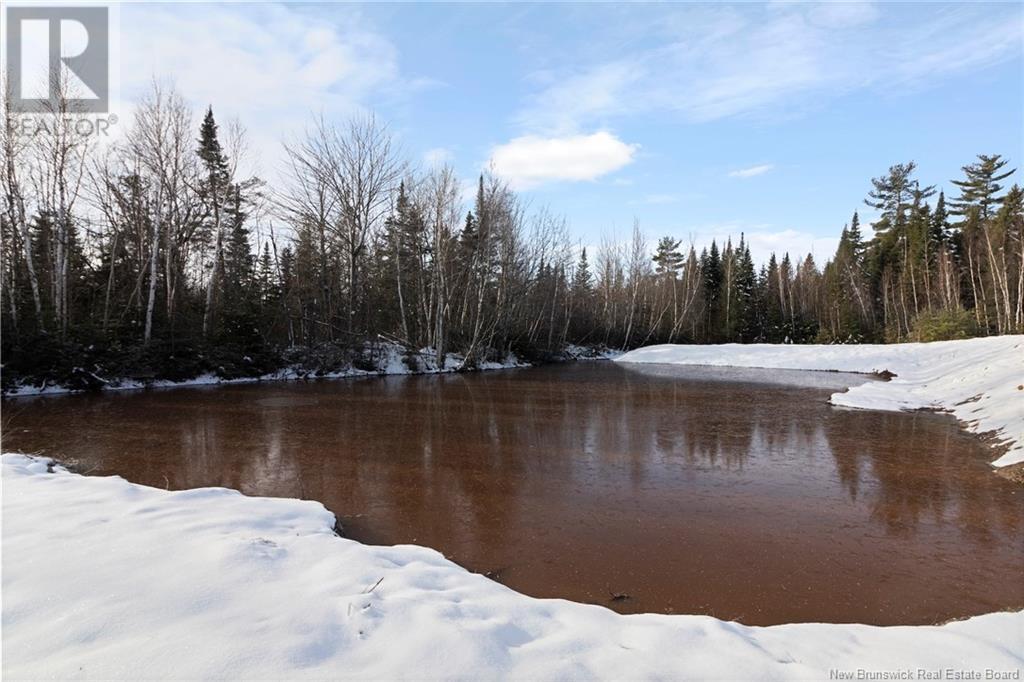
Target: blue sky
pixel 697 120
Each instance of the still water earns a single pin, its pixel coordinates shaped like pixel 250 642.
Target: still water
pixel 735 493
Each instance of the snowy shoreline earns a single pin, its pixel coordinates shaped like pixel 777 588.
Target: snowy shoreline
pixel 980 381
pixel 391 363
pixel 209 583
pixel 107 579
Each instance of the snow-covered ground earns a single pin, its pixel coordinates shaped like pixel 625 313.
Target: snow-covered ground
pixel 389 359
pixel 980 381
pixel 106 579
pixel 574 352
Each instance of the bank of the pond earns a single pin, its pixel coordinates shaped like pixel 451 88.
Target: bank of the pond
pixel 980 381
pixel 383 359
pixel 380 360
pixel 107 579
pixel 729 492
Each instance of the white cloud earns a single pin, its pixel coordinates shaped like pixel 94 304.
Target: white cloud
pixel 438 156
pixel 270 65
pixel 563 104
pixel 842 14
pixel 707 63
pixel 764 241
pixel 531 160
pixel 752 171
pixel 658 199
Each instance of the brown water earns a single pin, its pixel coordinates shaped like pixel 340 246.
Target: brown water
pixel 735 493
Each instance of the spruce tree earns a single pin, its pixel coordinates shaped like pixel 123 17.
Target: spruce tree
pixel 746 283
pixel 210 151
pixel 238 259
pixel 266 278
pixel 856 240
pixel 938 230
pixel 582 279
pixel 468 239
pixel 711 279
pixel 213 191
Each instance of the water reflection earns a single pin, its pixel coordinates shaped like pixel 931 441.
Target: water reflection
pixel 738 493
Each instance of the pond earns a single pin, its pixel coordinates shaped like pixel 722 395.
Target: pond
pixel 735 493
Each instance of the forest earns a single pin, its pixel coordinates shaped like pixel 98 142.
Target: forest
pixel 152 255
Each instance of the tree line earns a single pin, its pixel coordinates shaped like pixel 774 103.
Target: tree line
pixel 155 247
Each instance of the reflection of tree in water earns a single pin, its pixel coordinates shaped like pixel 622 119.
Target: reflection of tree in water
pixel 467 463
pixel 912 478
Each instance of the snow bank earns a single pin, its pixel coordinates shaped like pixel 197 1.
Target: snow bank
pixel 106 579
pixel 978 380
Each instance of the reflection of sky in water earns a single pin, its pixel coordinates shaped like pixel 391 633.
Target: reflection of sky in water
pixel 690 487
pixel 751 375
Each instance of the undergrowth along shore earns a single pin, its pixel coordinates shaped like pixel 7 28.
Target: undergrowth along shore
pixel 69 369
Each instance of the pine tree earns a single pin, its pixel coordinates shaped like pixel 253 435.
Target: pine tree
pixel 893 195
pixel 981 186
pixel 981 241
pixel 667 258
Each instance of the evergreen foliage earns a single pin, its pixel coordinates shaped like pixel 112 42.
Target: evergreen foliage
pixel 183 266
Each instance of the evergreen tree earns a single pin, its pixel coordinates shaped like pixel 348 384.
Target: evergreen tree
pixel 238 259
pixel 468 240
pixel 856 240
pixel 981 186
pixel 582 278
pixel 267 280
pixel 213 191
pixel 746 295
pixel 403 252
pixel 938 231
pixel 891 195
pixel 774 312
pixel 711 280
pixel 667 258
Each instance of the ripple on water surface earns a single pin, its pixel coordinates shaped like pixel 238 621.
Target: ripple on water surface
pixel 737 493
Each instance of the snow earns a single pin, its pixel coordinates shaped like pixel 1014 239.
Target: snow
pixel 107 579
pixel 980 381
pixel 389 359
pixel 575 352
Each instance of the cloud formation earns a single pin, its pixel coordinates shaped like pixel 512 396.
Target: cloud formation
pixel 764 240
pixel 752 171
pixel 272 65
pixel 438 156
pixel 713 62
pixel 532 160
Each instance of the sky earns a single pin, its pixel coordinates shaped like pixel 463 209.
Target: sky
pixel 698 121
